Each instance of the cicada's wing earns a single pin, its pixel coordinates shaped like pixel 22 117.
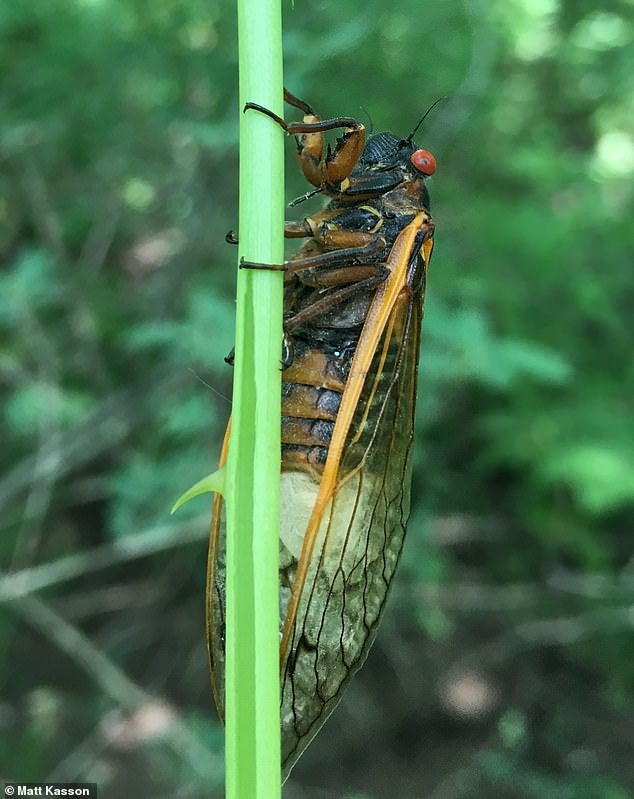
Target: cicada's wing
pixel 216 593
pixel 359 538
pixel 341 529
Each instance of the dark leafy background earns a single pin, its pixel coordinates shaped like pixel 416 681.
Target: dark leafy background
pixel 505 664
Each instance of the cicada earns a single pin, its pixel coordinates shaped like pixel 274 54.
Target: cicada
pixel 353 304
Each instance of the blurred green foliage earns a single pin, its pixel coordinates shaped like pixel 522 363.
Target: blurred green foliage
pixel 510 629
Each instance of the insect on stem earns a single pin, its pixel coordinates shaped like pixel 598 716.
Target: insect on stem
pixel 353 302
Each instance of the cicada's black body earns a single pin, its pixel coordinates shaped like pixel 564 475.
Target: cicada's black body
pixel 352 317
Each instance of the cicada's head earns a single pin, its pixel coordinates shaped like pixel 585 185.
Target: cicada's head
pixel 385 151
pixel 389 162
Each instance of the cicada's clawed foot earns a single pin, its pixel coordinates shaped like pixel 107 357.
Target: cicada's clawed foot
pixel 255 265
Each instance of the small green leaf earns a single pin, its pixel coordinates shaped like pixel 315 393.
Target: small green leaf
pixel 213 482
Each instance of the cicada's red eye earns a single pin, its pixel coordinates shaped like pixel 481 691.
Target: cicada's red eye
pixel 423 161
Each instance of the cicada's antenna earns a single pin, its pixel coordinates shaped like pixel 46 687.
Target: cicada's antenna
pixel 408 140
pixel 422 119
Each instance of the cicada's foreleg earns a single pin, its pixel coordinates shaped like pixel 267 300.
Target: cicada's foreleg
pixel 331 171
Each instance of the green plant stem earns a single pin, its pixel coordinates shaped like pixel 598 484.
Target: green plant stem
pixel 253 462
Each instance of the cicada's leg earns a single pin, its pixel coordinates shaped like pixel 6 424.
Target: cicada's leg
pixel 329 172
pixel 340 237
pixel 292 230
pixel 352 279
pixel 321 261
